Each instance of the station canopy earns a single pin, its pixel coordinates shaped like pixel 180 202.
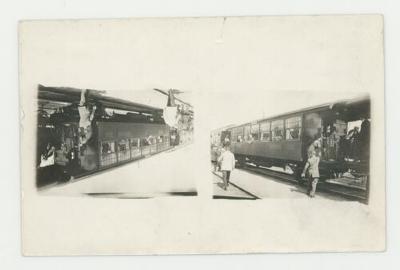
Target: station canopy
pixel 56 97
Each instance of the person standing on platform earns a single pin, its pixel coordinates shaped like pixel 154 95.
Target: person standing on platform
pixel 312 170
pixel 214 157
pixel 227 164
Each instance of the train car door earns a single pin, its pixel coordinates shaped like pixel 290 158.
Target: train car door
pixel 226 136
pixel 312 130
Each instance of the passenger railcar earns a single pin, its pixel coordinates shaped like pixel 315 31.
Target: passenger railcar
pixel 122 132
pixel 341 130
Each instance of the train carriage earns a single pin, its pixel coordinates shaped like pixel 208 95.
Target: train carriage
pixel 340 128
pixel 119 142
pixel 123 131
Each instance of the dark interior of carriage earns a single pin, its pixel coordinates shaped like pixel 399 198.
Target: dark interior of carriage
pixel 345 142
pixel 345 132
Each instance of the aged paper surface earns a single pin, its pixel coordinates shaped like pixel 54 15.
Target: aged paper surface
pixel 215 59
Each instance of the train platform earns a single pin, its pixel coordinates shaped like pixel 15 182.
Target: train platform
pixel 232 191
pixel 144 178
pixel 263 186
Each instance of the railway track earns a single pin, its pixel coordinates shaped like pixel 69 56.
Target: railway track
pixel 347 192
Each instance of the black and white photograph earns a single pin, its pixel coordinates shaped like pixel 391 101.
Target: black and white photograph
pixel 200 134
pixel 89 143
pixel 214 135
pixel 320 150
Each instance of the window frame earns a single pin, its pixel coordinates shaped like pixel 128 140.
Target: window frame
pixel 113 147
pixel 108 159
pixel 127 145
pixel 258 131
pixel 268 122
pixel 287 129
pixel 137 142
pixel 144 142
pixel 282 128
pixel 238 131
pixel 247 128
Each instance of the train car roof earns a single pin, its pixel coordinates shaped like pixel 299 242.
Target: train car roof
pixel 223 128
pixel 351 108
pixel 72 95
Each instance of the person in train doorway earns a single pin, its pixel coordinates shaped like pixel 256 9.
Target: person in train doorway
pixel 227 164
pixel 354 139
pixel 87 156
pixel 48 156
pixel 333 144
pixel 226 139
pixel 364 138
pixel 312 170
pixel 86 115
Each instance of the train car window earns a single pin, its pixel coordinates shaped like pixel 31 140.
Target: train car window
pixel 107 147
pixel 152 140
pixel 237 134
pixel 123 150
pixel 123 145
pixel 255 131
pixel 108 155
pixel 265 130
pixel 293 128
pixel 226 136
pixel 135 150
pixel 277 130
pixel 144 142
pixel 247 134
pixel 233 135
pixel 134 143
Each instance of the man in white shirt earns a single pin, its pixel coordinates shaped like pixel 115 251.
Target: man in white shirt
pixel 227 164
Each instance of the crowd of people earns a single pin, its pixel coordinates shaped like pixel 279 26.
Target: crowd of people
pixel 351 146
